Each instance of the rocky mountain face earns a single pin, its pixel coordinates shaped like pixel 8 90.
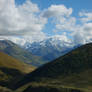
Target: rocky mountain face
pixel 49 49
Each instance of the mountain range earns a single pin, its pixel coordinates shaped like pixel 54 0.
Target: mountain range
pixel 19 53
pixel 37 53
pixel 50 48
pixel 69 73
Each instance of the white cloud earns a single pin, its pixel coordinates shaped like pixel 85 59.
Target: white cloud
pixel 62 18
pixel 21 40
pixel 85 16
pixel 21 20
pixel 64 22
pixel 56 11
pixel 83 34
pixel 26 22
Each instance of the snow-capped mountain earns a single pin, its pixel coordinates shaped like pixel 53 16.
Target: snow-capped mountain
pixel 50 48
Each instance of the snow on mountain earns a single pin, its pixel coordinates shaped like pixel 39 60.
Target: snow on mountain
pixel 50 48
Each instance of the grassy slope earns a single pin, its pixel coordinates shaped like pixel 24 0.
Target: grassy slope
pixel 73 70
pixel 10 62
pixel 12 69
pixel 15 51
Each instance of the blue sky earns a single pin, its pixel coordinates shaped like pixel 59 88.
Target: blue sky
pixel 77 5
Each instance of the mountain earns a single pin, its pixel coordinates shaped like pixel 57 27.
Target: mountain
pixel 69 73
pixel 50 48
pixel 19 53
pixel 12 69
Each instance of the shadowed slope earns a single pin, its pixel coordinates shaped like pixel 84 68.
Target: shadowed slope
pixel 12 69
pixel 73 69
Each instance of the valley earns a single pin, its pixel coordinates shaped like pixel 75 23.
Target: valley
pixel 45 45
pixel 69 73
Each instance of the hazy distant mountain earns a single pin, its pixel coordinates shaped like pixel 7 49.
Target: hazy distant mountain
pixel 49 49
pixel 69 72
pixel 19 53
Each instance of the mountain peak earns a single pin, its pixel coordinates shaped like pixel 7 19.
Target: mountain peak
pixel 50 48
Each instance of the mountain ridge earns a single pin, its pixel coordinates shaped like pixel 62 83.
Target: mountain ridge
pixel 71 70
pixel 49 49
pixel 19 53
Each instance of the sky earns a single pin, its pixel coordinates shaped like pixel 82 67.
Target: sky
pixel 36 20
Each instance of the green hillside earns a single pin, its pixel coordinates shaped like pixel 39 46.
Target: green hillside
pixel 15 51
pixel 12 69
pixel 67 73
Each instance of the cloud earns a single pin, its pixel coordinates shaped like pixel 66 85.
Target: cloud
pixel 61 16
pixel 26 20
pixel 26 23
pixel 85 16
pixel 79 29
pixel 66 24
pixel 83 34
pixel 21 40
pixel 20 20
pixel 56 11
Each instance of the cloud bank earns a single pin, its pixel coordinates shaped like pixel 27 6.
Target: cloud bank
pixel 20 20
pixel 79 30
pixel 26 22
